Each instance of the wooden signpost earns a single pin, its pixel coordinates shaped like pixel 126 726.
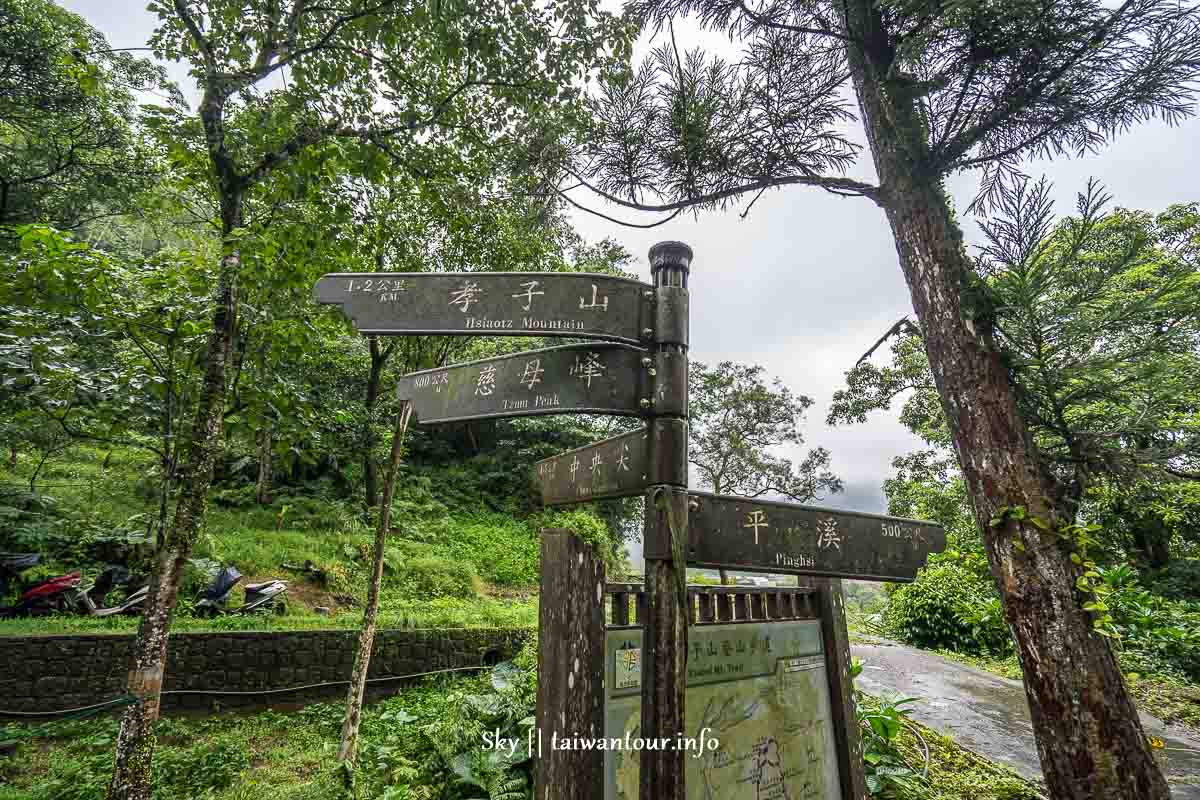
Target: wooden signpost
pixel 574 304
pixel 636 367
pixel 616 467
pixel 601 378
pixel 793 539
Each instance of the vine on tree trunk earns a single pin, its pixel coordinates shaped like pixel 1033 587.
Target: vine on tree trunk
pixel 1077 540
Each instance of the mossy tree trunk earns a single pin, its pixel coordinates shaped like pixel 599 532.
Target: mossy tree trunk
pixel 132 777
pixel 1089 738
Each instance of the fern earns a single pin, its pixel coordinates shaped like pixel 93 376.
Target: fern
pixel 509 788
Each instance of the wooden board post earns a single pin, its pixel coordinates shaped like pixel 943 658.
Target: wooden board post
pixel 570 695
pixel 665 634
pixel 841 690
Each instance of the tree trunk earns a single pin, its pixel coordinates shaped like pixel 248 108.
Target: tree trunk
pixel 131 779
pixel 366 637
pixel 12 456
pixel 1089 738
pixel 370 468
pixel 1153 542
pixel 262 488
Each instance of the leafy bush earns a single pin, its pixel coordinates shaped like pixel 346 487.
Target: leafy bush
pixel 503 550
pixel 589 528
pixel 83 777
pixel 1155 633
pixel 988 628
pixel 298 513
pixel 434 576
pixel 36 523
pixel 949 607
pixel 505 704
pixel 1178 580
pixel 239 496
pixel 192 772
pixel 188 771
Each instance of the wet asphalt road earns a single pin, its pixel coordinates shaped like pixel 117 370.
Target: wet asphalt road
pixel 988 714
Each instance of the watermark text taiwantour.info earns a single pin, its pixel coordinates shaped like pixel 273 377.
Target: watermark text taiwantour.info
pixel 537 743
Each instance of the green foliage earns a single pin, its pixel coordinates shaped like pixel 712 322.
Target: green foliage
pixel 38 524
pixel 587 527
pixel 1178 580
pixel 503 550
pixel 506 705
pixel 70 146
pixel 927 486
pixel 183 768
pixel 96 494
pixel 887 772
pixel 950 606
pixel 430 741
pixel 1101 314
pixel 435 576
pixel 217 765
pixel 1097 316
pixel 291 510
pixel 735 418
pixel 1156 634
pixel 400 757
pixel 985 620
pixel 1150 520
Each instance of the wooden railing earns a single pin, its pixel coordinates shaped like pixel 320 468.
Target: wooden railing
pixel 626 604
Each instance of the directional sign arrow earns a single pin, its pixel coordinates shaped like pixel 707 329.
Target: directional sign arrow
pixel 615 467
pixel 622 466
pixel 574 304
pixel 757 535
pixel 599 378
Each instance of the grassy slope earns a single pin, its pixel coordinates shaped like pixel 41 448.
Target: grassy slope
pixel 501 549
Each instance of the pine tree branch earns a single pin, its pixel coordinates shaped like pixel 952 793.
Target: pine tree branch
pixel 903 326
pixel 842 186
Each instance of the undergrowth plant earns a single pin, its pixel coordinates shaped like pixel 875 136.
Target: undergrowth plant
pixel 888 773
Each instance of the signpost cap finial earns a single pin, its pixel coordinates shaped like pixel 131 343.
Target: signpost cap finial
pixel 670 254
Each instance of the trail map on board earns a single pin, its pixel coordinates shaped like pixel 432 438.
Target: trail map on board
pixel 762 692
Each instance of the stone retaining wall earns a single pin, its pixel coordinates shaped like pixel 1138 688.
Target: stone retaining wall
pixel 45 673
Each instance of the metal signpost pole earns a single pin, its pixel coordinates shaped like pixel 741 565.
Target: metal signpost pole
pixel 664 639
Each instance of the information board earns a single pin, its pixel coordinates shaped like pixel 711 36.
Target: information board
pixel 759 690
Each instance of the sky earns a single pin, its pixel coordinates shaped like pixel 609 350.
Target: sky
pixel 807 281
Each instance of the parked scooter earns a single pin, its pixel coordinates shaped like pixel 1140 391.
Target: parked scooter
pixel 91 600
pixel 45 597
pixel 265 596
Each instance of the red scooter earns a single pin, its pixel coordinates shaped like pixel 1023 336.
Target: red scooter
pixel 45 597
